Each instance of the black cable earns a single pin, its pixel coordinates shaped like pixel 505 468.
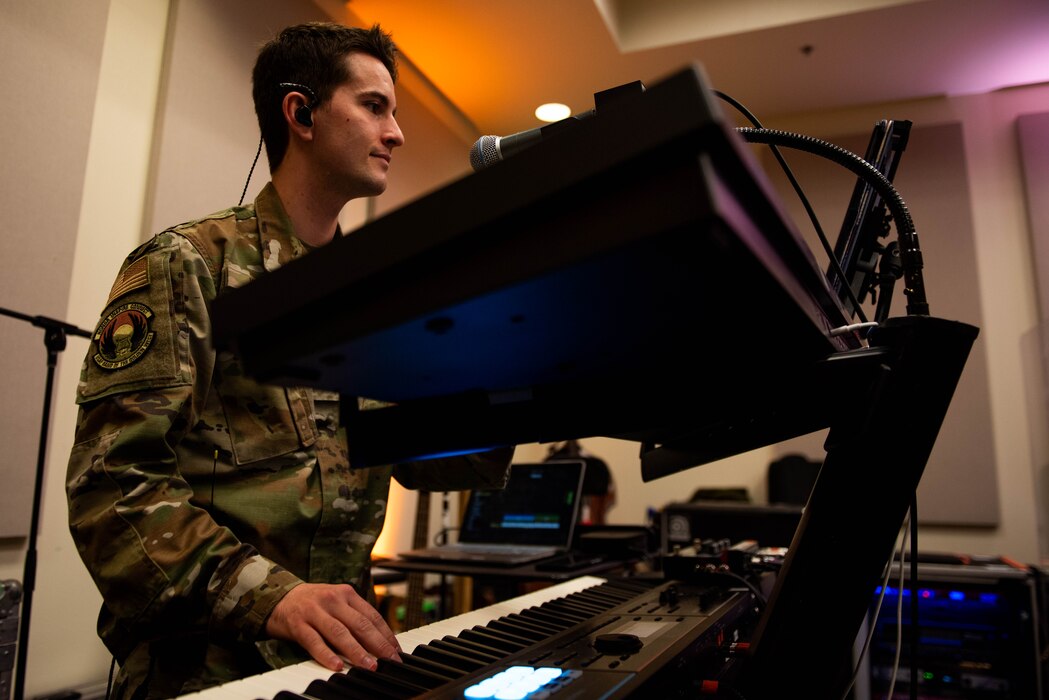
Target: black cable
pixel 709 570
pixel 109 682
pixel 252 170
pixel 915 636
pixel 440 538
pixel 804 202
pixel 910 252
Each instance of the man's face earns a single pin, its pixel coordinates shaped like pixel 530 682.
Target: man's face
pixel 355 131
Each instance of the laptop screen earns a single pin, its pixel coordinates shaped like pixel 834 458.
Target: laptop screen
pixel 539 506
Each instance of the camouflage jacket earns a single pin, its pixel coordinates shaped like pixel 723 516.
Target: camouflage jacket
pixel 199 497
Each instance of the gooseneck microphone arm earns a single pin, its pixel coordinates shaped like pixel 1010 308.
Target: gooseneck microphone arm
pixel 910 252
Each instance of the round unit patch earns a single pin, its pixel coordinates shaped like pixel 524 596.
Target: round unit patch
pixel 123 336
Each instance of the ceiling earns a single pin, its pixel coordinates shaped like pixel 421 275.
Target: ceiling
pixel 496 60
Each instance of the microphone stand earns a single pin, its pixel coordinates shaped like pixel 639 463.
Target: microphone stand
pixel 55 333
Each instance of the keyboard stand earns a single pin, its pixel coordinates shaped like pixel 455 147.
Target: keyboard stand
pixel 890 402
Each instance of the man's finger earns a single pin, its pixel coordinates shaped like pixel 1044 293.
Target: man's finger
pixel 378 622
pixel 311 640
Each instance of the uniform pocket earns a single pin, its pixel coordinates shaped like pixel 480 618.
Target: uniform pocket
pixel 264 420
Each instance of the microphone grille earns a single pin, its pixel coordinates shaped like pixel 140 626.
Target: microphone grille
pixel 484 152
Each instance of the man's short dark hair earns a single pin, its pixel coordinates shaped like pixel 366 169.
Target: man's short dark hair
pixel 312 55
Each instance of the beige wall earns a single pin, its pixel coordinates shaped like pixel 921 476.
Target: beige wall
pixel 50 52
pixel 106 214
pixel 198 162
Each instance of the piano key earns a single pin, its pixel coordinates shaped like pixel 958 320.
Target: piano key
pixel 499 639
pixel 546 617
pixel 324 690
pixel 509 627
pixel 293 680
pixel 428 651
pixel 379 685
pixel 533 624
pixel 564 612
pixel 452 644
pixel 432 666
pixel 585 609
pixel 410 673
pixel 478 646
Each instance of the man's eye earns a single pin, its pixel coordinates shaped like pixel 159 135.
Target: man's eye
pixel 373 107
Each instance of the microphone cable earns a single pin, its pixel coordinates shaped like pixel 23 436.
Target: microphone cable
pixel 835 264
pixel 910 252
pixel 258 152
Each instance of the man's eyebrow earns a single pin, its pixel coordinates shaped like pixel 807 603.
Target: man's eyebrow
pixel 378 96
pixel 375 95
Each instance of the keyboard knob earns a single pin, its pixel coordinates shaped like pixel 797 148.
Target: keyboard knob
pixel 617 644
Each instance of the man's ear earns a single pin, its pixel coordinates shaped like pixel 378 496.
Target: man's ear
pixel 298 114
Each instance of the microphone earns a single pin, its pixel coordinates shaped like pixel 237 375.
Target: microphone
pixel 488 150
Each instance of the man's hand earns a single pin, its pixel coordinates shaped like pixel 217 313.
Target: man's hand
pixel 332 620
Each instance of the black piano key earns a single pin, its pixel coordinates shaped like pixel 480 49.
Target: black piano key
pixel 409 673
pixel 543 628
pixel 450 643
pixel 570 614
pixel 608 602
pixel 547 617
pixel 523 632
pixel 479 634
pixel 486 649
pixel 560 605
pixel 631 588
pixel 448 658
pixel 522 642
pixel 585 611
pixel 434 667
pixel 288 695
pixel 324 690
pixel 381 687
pixel 582 605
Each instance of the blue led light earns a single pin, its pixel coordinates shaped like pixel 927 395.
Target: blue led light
pixel 988 597
pixel 514 683
pixel 956 595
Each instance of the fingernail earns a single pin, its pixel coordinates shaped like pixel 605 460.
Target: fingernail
pixel 371 663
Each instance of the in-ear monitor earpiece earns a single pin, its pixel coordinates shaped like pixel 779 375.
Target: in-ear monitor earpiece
pixel 303 113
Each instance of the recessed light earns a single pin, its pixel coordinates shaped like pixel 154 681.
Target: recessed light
pixel 552 112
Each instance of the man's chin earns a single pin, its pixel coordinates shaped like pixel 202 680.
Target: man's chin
pixel 371 189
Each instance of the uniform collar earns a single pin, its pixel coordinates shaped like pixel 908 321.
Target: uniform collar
pixel 277 239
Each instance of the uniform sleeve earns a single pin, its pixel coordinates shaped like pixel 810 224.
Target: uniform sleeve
pixel 159 560
pixel 480 470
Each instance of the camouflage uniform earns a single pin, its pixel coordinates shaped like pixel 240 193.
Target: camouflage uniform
pixel 199 497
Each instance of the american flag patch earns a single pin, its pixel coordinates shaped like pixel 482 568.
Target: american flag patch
pixel 134 276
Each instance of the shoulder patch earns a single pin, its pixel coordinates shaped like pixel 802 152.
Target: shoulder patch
pixel 134 276
pixel 123 336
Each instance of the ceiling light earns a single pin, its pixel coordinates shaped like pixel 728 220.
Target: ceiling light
pixel 552 112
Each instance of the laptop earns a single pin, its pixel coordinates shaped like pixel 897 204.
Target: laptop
pixel 533 518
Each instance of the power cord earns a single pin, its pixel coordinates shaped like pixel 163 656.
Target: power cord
pixel 902 537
